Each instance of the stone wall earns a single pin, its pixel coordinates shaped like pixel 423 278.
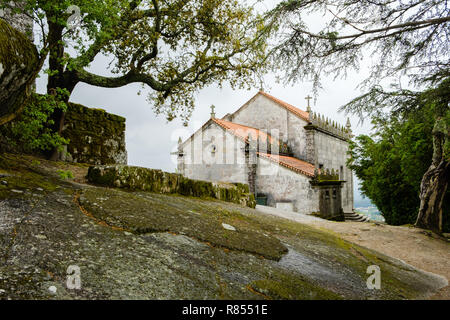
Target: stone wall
pixel 212 154
pixel 297 136
pixel 264 114
pixel 96 137
pixel 282 185
pixel 135 178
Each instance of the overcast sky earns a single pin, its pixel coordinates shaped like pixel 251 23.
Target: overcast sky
pixel 150 139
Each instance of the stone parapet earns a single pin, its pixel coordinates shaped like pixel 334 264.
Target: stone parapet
pixel 326 125
pixel 157 181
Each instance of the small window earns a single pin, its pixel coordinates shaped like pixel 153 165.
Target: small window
pixel 327 195
pixel 334 194
pixel 320 166
pixel 213 149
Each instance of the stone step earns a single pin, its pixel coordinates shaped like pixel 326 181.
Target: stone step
pixel 355 217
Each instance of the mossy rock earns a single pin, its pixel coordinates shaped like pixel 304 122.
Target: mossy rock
pixel 18 61
pixel 16 181
pixel 164 213
pixel 289 287
pixel 143 245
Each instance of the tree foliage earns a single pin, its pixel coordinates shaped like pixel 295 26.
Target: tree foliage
pixel 402 37
pixel 392 162
pixel 175 47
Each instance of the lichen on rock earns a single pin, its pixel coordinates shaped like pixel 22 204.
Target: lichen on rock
pixel 152 213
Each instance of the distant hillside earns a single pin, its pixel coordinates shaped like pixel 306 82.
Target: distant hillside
pixel 359 199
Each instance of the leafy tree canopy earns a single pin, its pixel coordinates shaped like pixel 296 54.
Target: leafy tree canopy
pixel 391 163
pixel 175 47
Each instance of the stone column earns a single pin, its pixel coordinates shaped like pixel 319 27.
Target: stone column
pixel 310 144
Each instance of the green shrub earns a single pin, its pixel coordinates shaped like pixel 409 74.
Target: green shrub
pixel 65 175
pixel 32 132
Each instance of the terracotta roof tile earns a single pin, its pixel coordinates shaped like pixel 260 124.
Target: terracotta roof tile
pixel 294 164
pixel 300 113
pixel 243 132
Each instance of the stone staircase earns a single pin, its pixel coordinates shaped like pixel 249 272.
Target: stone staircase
pixel 355 217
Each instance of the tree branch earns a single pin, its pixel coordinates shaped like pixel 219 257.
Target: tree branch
pixel 414 24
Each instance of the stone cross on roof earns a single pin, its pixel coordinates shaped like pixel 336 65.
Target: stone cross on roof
pixel 213 114
pixel 308 98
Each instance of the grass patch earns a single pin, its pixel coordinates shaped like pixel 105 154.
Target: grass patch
pixel 286 287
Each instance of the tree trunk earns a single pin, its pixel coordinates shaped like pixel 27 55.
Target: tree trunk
pixel 59 79
pixel 435 181
pixel 19 66
pixel 59 116
pixel 432 192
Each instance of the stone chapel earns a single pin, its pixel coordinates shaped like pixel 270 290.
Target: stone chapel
pixel 291 159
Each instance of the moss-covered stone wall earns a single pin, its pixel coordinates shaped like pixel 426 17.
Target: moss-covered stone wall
pixel 135 178
pixel 96 137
